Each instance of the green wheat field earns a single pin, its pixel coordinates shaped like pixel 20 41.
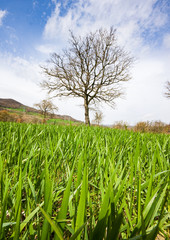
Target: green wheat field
pixel 78 182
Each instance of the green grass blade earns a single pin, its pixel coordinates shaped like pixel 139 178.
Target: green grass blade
pixel 32 189
pixel 32 214
pixel 54 226
pixel 76 234
pixel 18 209
pixel 100 227
pixel 82 202
pixel 48 194
pixel 64 206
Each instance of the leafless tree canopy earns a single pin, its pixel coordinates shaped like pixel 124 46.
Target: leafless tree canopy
pixel 93 68
pixel 46 107
pixel 167 93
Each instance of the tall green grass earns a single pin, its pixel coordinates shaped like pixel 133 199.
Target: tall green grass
pixel 78 182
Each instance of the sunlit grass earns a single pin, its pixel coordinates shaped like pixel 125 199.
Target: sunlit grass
pixel 62 121
pixel 78 182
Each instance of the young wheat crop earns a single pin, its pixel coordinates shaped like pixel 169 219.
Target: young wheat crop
pixel 78 182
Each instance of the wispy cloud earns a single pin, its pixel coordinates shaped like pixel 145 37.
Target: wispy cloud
pixel 166 41
pixel 131 18
pixel 35 4
pixel 20 78
pixel 3 13
pixel 45 48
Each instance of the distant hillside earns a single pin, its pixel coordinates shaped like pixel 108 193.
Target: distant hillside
pixel 13 104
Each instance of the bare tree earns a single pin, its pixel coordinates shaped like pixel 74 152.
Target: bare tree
pixel 46 107
pixel 167 93
pixel 93 68
pixel 98 117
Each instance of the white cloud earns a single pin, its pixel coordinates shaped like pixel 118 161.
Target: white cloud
pixel 45 48
pixel 19 79
pixel 2 15
pixel 51 26
pixel 85 16
pixel 145 93
pixel 166 41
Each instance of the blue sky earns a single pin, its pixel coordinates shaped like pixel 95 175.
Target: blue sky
pixel 31 29
pixel 23 23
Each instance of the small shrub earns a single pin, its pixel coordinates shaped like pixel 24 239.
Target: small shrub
pixel 155 127
pixel 120 125
pixel 141 127
pixel 5 116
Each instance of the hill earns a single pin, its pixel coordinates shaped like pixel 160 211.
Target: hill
pixel 11 104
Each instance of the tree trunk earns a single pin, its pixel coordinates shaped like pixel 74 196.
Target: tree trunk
pixel 86 107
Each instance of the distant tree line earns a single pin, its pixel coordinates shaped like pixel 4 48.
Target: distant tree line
pixel 153 126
